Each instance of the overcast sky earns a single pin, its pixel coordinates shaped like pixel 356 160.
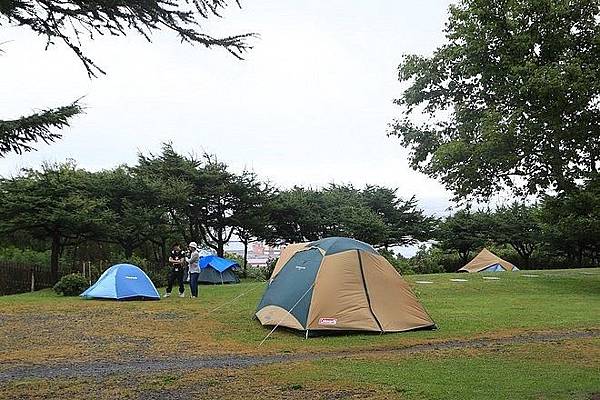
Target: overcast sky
pixel 308 106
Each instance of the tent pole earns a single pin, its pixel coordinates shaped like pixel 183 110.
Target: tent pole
pixel 289 312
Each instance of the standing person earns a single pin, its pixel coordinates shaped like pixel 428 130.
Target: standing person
pixel 177 262
pixel 194 269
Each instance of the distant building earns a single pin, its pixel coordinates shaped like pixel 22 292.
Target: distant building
pixel 262 249
pixel 258 253
pixel 258 262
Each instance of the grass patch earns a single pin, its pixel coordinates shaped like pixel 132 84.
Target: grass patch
pixel 561 370
pixel 519 372
pixel 41 326
pixel 45 328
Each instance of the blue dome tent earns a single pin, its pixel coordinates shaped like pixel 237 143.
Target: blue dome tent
pixel 215 269
pixel 121 282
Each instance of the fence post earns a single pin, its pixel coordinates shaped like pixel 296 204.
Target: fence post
pixel 32 279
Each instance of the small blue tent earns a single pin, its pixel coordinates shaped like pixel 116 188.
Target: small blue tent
pixel 486 261
pixel 122 281
pixel 495 268
pixel 215 269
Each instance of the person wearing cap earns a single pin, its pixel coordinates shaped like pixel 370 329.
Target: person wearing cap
pixel 194 269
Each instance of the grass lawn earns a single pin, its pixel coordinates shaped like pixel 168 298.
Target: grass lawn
pixel 42 328
pixel 567 370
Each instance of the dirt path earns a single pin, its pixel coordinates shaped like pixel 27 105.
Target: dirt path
pixel 156 365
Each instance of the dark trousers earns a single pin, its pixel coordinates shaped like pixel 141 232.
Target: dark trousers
pixel 194 283
pixel 175 276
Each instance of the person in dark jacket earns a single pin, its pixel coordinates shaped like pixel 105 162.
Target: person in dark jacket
pixel 177 266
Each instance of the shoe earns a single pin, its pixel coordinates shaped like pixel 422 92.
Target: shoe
pixel 193 297
pixel 181 295
pixel 167 295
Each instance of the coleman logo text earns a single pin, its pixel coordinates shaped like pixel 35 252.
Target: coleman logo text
pixel 327 321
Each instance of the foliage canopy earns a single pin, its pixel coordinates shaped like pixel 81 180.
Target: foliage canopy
pixel 512 99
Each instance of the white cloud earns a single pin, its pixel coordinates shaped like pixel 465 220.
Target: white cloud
pixel 310 105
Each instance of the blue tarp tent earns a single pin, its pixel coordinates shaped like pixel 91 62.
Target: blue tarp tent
pixel 493 268
pixel 215 269
pixel 496 268
pixel 122 281
pixel 486 261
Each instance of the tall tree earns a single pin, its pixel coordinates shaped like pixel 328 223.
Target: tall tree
pixel 52 204
pixel 252 216
pixel 346 214
pixel 374 215
pixel 571 223
pixel 136 212
pixel 19 135
pixel 205 195
pixel 220 193
pixel 405 222
pixel 297 215
pixel 463 232
pixel 71 21
pixel 519 226
pixel 181 176
pixel 511 100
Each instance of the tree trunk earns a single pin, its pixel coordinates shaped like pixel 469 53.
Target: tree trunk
pixel 74 257
pixel 526 257
pixel 54 255
pixel 464 256
pixel 163 248
pixel 523 253
pixel 245 269
pixel 220 248
pixel 128 252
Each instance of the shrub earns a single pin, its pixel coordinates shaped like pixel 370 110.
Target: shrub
pixel 26 256
pixel 262 273
pixel 71 285
pixel 158 277
pixel 400 263
pixel 432 260
pixel 271 262
pixel 235 257
pixel 239 272
pixel 136 260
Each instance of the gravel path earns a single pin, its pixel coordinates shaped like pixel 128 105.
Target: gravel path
pixel 534 337
pixel 148 366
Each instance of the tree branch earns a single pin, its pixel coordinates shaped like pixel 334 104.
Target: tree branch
pixel 18 135
pixel 69 20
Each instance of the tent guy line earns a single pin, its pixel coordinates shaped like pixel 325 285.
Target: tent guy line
pixel 288 313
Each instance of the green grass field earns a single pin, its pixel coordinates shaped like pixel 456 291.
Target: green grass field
pixel 46 330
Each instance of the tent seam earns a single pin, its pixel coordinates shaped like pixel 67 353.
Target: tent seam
pixel 362 274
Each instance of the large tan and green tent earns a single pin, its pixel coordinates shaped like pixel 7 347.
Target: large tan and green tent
pixel 339 284
pixel 486 261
